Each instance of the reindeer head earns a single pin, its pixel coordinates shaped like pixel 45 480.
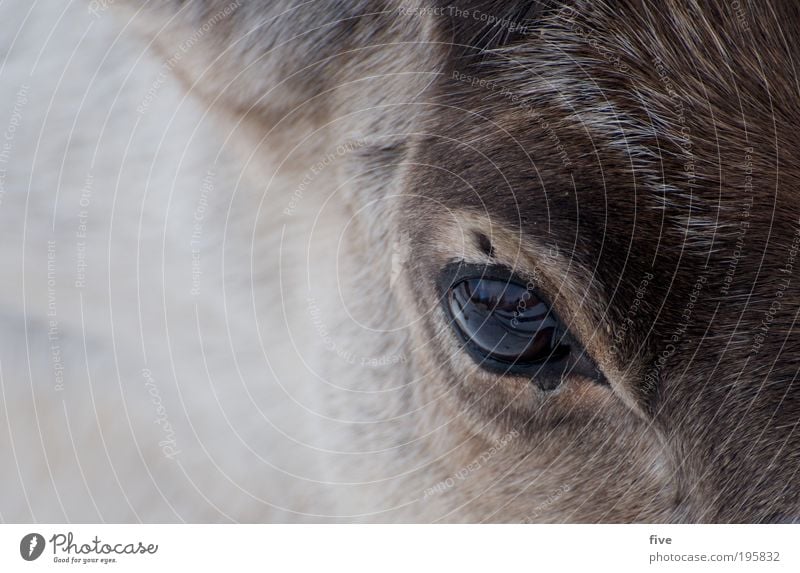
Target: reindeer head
pixel 575 226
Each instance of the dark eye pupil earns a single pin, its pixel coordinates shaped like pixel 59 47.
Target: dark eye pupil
pixel 505 320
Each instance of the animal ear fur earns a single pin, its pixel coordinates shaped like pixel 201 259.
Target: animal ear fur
pixel 477 26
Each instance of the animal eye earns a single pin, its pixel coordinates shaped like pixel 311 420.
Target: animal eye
pixel 505 321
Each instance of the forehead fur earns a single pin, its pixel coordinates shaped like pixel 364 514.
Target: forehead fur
pixel 674 93
pixel 662 132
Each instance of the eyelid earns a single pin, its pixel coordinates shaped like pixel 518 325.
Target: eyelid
pixel 459 270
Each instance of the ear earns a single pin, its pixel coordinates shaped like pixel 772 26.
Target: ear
pixel 477 26
pixel 313 60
